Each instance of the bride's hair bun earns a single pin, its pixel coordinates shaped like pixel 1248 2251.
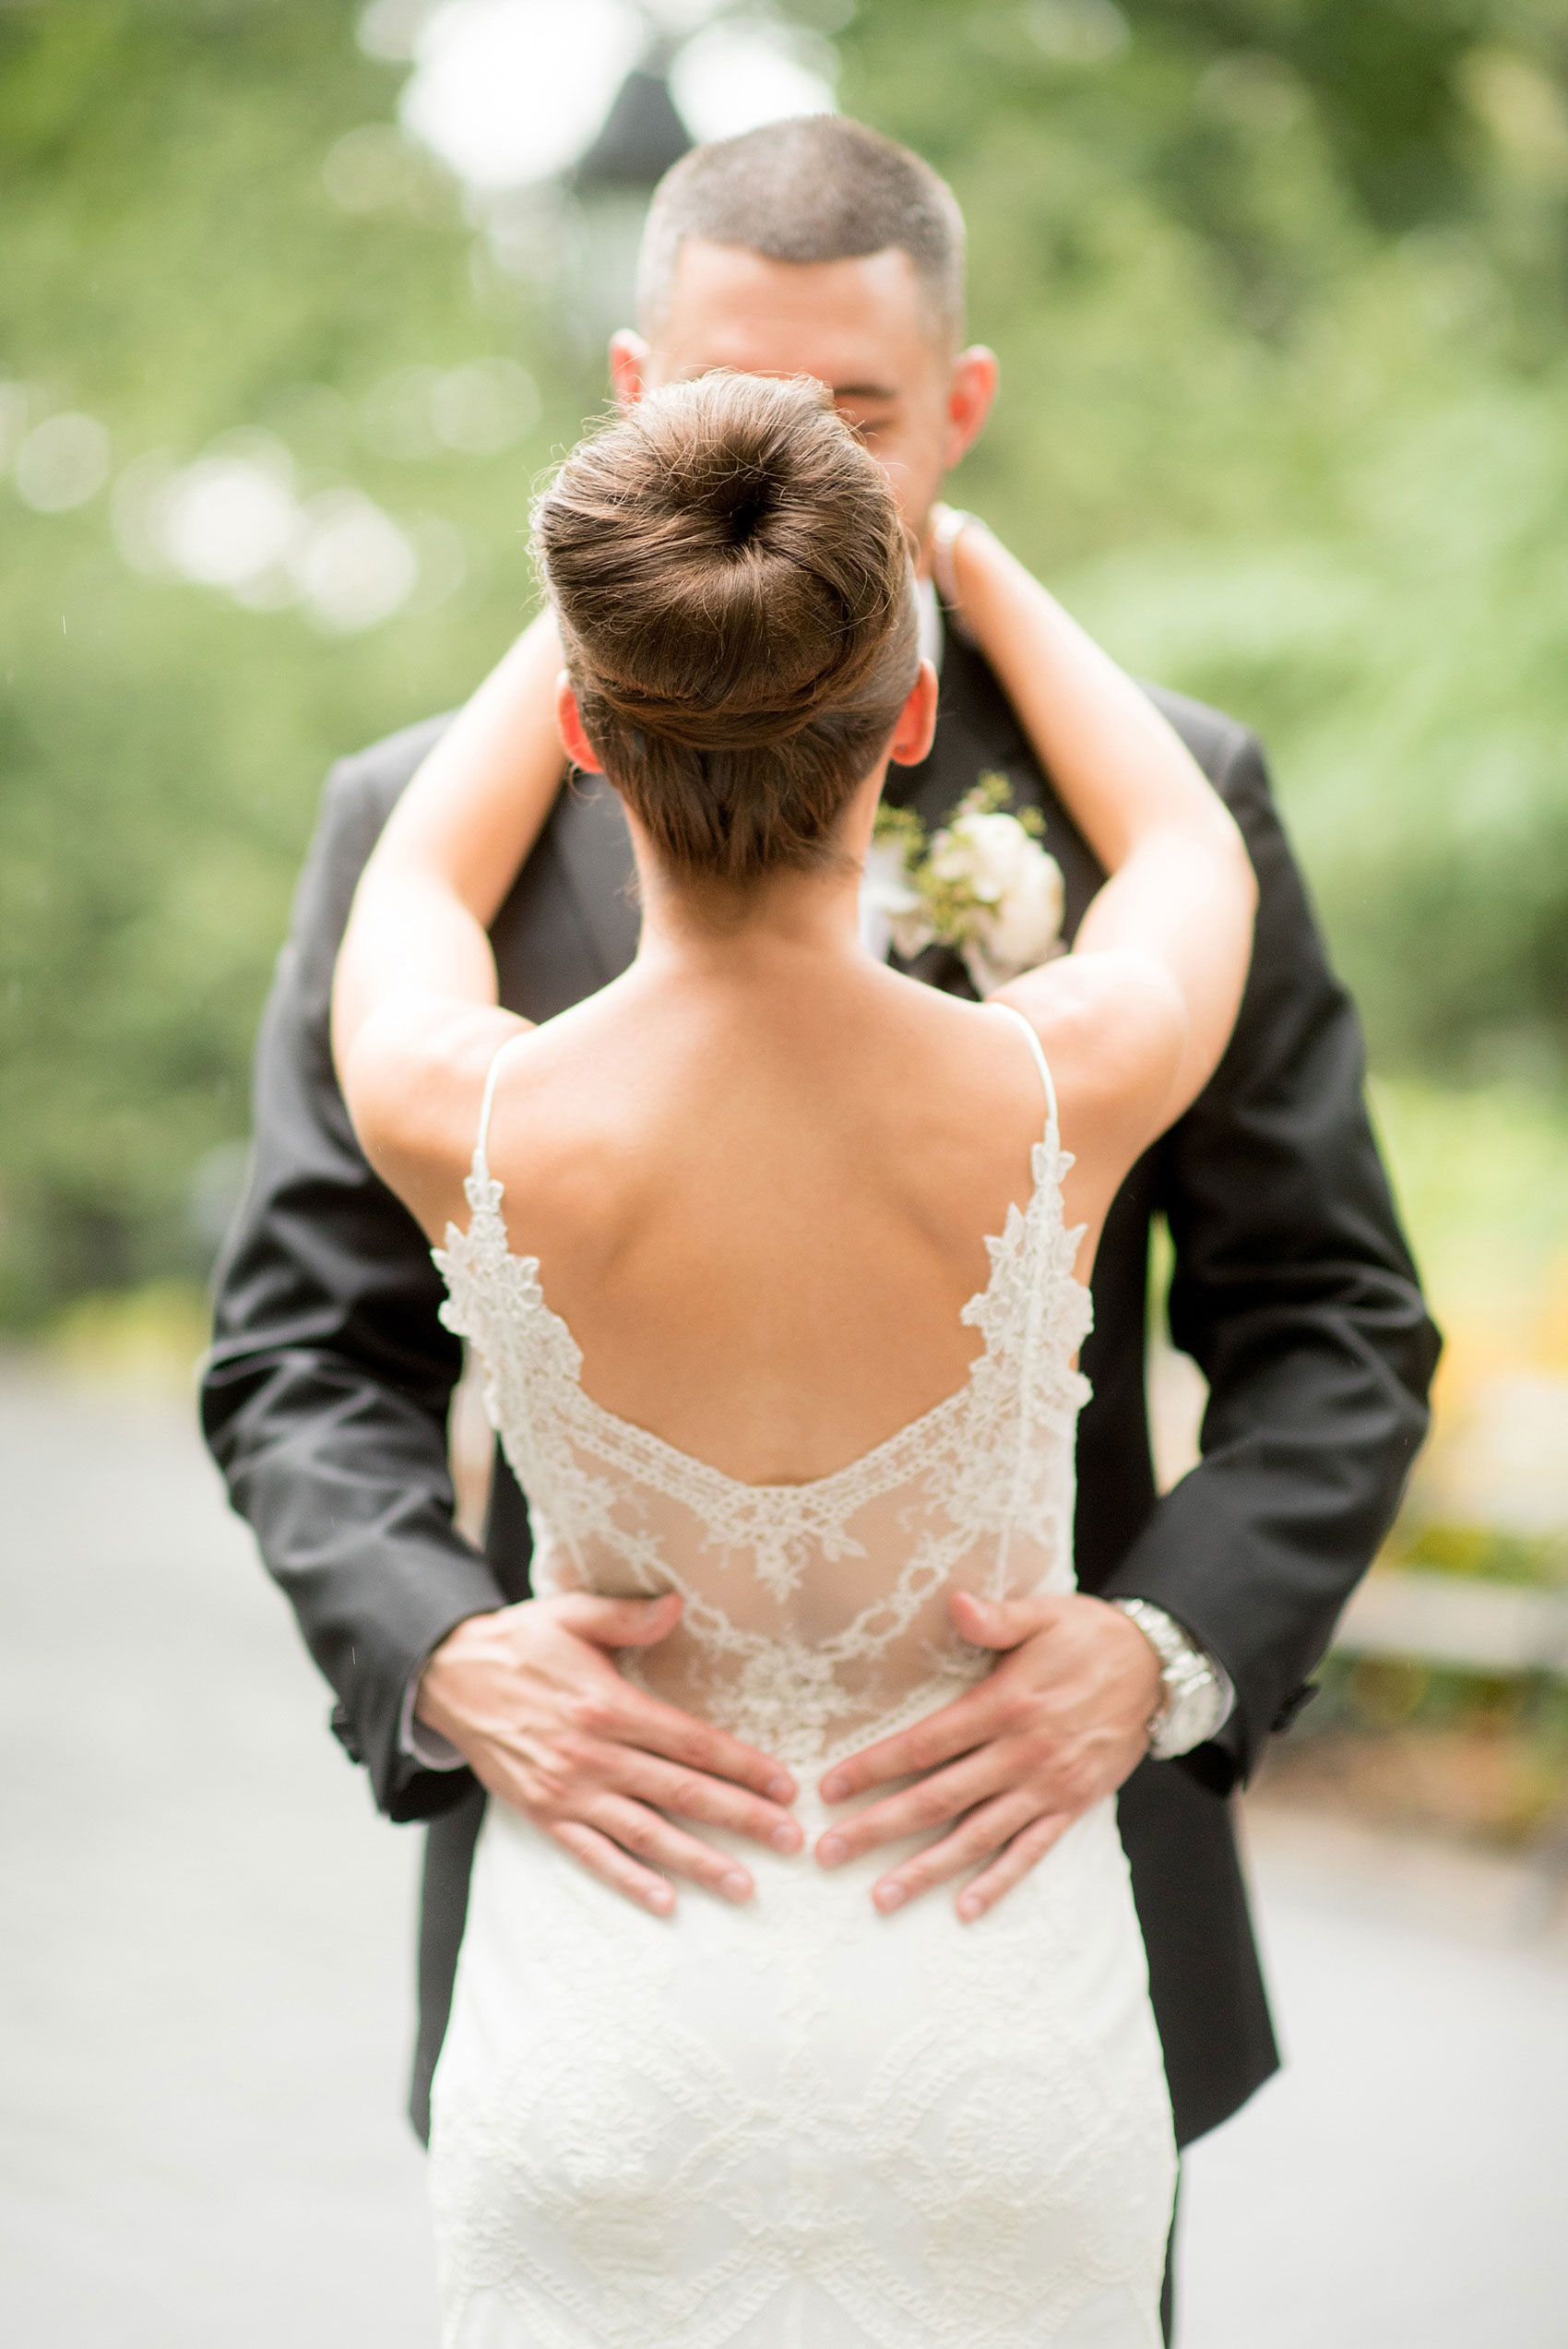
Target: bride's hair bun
pixel 733 586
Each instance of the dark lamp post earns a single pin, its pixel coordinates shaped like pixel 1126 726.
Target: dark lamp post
pixel 640 137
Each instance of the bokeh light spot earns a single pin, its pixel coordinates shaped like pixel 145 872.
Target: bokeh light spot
pixel 484 407
pixel 352 564
pixel 62 463
pixel 506 91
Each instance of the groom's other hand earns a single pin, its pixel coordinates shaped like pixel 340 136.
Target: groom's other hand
pixel 1057 1726
pixel 532 1700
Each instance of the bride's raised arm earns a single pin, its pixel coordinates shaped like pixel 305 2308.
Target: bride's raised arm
pixel 415 1020
pixel 1135 1020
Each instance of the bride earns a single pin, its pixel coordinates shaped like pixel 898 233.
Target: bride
pixel 720 1237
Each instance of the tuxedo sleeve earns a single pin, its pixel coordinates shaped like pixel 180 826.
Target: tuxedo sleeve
pixel 1295 1293
pixel 326 1394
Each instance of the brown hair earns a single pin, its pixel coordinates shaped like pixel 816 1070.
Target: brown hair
pixel 818 188
pixel 733 586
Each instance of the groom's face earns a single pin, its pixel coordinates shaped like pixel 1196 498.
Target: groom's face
pixel 864 327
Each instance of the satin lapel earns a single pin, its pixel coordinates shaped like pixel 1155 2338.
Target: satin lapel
pixel 595 849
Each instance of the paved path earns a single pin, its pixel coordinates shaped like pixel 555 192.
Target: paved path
pixel 1402 2184
pixel 205 2009
pixel 205 1990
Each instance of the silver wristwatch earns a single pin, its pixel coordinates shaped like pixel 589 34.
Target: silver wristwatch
pixel 1198 1695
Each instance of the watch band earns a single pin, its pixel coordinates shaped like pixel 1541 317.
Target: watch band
pixel 1196 1696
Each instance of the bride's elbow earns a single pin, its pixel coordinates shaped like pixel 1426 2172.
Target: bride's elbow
pixel 380 1077
pixel 396 1074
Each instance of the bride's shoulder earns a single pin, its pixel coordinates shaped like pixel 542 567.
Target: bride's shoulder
pixel 562 1109
pixel 965 1061
pixel 1111 1028
pixel 972 1034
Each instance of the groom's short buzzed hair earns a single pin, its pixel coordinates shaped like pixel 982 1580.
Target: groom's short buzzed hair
pixel 817 188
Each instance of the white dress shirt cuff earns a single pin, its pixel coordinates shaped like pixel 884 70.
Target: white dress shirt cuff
pixel 416 1741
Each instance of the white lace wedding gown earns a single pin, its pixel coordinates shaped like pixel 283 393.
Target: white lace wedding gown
pixel 798 2124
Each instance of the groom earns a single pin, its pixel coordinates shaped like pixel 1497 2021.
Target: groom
pixel 817 248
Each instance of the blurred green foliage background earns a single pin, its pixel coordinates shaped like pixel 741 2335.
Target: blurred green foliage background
pixel 1280 290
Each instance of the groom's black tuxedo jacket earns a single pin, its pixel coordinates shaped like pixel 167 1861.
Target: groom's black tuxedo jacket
pixel 327 1394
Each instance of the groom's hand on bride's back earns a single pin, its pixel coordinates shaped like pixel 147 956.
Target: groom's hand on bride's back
pixel 1058 1725
pixel 532 1698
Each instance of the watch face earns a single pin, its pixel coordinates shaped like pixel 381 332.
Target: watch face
pixel 1193 1715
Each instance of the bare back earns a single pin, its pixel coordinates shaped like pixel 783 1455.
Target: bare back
pixel 762 1210
pixel 812 1450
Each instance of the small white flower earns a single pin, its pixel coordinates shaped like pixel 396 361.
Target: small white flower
pixel 983 886
pixel 889 905
pixel 1017 920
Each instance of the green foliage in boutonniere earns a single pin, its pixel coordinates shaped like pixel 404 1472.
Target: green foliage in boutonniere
pixel 982 884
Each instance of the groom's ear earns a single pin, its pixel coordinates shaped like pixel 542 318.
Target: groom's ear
pixel 917 721
pixel 971 389
pixel 629 366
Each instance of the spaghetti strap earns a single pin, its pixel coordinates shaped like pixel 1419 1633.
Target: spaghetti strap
pixel 1051 1131
pixel 481 1163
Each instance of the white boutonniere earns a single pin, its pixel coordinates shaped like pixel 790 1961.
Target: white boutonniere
pixel 982 884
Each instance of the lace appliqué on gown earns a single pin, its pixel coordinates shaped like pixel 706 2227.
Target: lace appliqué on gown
pixel 810 1609
pixel 799 2121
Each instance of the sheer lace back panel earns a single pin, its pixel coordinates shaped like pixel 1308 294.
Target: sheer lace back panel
pixel 815 1614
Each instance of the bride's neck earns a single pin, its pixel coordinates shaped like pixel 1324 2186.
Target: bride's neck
pixel 815 912
pixel 737 931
